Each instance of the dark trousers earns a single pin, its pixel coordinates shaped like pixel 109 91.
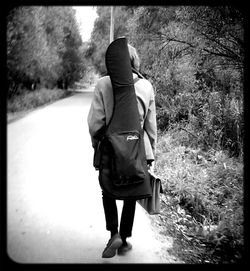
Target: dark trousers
pixel 111 215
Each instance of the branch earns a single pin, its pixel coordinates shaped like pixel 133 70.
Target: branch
pixel 180 52
pixel 219 54
pixel 238 41
pixel 181 41
pixel 220 44
pixel 204 49
pixel 209 24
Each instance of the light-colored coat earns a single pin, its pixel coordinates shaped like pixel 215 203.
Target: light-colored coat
pixel 102 106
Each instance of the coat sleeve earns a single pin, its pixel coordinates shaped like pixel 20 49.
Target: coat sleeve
pixel 150 125
pixel 96 116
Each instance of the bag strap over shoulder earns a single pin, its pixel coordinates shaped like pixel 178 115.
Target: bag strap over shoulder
pixel 136 79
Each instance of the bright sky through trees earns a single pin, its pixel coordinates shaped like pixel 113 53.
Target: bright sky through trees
pixel 86 16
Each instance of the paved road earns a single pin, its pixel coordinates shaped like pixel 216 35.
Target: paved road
pixel 54 203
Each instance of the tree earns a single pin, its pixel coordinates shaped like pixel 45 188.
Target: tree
pixel 210 37
pixel 72 65
pixel 100 33
pixel 194 56
pixel 28 53
pixel 42 46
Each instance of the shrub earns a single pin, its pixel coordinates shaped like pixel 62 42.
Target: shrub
pixel 212 118
pixel 209 186
pixel 27 100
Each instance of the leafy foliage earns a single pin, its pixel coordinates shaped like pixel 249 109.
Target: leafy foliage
pixel 194 57
pixel 42 47
pixel 28 100
pixel 204 195
pixel 100 34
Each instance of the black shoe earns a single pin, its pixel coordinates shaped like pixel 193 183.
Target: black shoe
pixel 124 248
pixel 113 244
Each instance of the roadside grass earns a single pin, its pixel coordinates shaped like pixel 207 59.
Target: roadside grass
pixel 202 203
pixel 26 101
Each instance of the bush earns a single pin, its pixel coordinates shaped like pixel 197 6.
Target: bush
pixel 212 118
pixel 27 100
pixel 209 186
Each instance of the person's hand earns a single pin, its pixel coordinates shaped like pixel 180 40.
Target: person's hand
pixel 151 167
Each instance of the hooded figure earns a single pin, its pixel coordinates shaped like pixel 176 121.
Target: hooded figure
pixel 123 166
pixel 123 102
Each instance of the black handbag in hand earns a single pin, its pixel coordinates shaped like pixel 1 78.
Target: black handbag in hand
pixel 153 204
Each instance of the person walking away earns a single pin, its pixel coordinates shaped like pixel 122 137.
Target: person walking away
pixel 99 116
